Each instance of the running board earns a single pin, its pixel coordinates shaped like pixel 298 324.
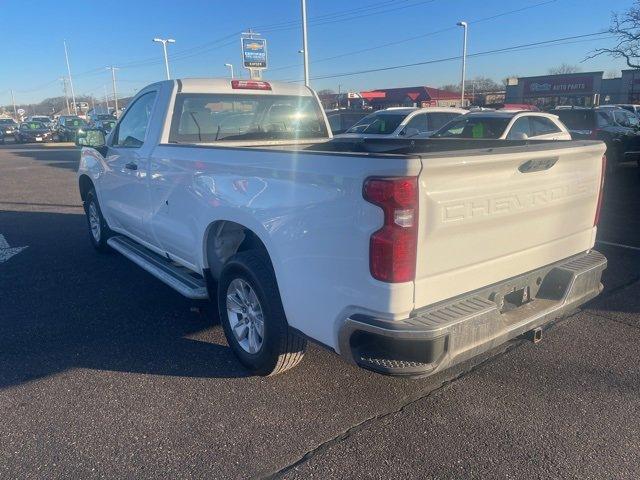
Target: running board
pixel 177 277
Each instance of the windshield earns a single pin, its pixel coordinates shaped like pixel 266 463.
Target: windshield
pixel 378 123
pixel 104 117
pixel 34 125
pixel 6 121
pixel 474 127
pixel 206 118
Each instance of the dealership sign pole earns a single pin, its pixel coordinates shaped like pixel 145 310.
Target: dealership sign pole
pixel 254 54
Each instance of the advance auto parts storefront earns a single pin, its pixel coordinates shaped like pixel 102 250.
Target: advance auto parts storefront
pixel 580 89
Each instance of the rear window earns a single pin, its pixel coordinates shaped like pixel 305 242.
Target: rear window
pixel 378 123
pixel 576 119
pixel 208 118
pixel 474 127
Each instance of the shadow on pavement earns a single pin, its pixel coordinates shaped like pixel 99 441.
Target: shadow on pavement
pixel 52 157
pixel 63 305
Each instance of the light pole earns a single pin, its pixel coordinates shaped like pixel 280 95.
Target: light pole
pixel 230 66
pixel 13 100
pixel 164 42
pixel 305 46
pixel 115 92
pixel 465 26
pixel 73 95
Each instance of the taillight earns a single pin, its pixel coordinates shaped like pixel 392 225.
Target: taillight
pixel 596 220
pixel 392 249
pixel 250 85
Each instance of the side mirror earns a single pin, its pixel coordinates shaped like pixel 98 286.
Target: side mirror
pixel 519 136
pixel 90 137
pixel 410 132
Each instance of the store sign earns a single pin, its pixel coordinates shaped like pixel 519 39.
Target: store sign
pixel 254 53
pixel 558 86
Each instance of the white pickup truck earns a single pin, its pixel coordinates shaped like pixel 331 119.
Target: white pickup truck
pixel 402 256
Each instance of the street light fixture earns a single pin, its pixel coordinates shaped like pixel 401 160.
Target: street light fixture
pixel 230 66
pixel 465 26
pixel 164 42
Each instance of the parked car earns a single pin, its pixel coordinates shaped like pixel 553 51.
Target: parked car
pixel 32 132
pixel 341 120
pixel 403 122
pixel 505 125
pixel 96 117
pixel 45 120
pixel 616 127
pixel 404 263
pixel 8 127
pixel 106 124
pixel 68 126
pixel 635 109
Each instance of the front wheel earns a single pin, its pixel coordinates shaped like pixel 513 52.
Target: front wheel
pixel 99 231
pixel 253 317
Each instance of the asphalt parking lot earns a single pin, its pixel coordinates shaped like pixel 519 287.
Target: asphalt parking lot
pixel 106 372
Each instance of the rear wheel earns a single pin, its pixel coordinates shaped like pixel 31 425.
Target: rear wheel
pixel 99 231
pixel 253 317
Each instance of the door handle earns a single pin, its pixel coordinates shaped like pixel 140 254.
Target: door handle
pixel 131 166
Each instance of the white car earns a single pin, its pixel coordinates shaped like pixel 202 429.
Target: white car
pixel 403 122
pixel 506 125
pixel 402 263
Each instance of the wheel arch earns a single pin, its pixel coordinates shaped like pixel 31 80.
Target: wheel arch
pixel 85 184
pixel 224 238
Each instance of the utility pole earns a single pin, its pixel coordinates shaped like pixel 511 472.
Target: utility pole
pixel 106 99
pixel 305 46
pixel 465 26
pixel 115 91
pixel 164 42
pixel 15 110
pixel 73 95
pixel 66 96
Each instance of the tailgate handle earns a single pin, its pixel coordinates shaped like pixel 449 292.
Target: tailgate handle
pixel 538 165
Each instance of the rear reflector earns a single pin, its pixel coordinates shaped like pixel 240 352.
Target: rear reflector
pixel 250 85
pixel 596 220
pixel 392 249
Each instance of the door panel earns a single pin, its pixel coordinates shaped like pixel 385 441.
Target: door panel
pixel 125 192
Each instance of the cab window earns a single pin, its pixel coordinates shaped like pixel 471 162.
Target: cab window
pixel 133 126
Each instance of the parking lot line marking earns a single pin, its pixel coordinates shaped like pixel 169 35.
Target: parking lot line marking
pixel 6 252
pixel 612 244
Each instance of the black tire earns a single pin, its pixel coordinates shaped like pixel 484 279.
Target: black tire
pixel 281 348
pixel 99 240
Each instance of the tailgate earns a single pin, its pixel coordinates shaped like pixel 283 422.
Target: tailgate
pixel 489 215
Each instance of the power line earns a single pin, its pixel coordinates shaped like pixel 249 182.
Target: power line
pixel 416 37
pixel 447 59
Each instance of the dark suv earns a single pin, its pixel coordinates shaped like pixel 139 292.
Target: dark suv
pixel 616 127
pixel 68 127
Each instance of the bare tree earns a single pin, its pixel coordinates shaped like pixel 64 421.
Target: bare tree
pixel 563 69
pixel 326 91
pixel 626 28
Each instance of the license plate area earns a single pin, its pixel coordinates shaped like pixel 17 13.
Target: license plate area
pixel 517 294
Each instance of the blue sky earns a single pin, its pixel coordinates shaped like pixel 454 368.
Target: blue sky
pixel 120 33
